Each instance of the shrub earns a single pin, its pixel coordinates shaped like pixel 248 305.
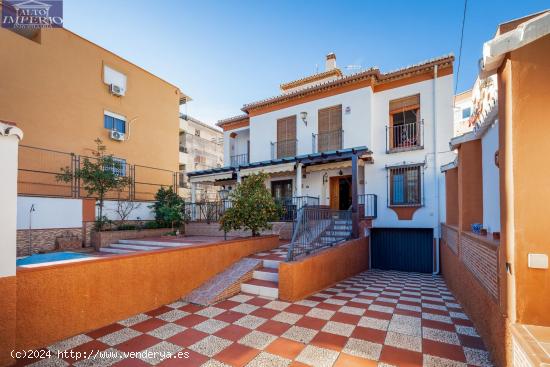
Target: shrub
pixel 253 207
pixel 168 208
pixel 151 225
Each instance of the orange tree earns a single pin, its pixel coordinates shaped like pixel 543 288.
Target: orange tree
pixel 252 207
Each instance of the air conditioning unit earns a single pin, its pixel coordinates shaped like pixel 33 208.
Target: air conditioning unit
pixel 116 90
pixel 117 135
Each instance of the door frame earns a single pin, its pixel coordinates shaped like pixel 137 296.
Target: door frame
pixel 334 190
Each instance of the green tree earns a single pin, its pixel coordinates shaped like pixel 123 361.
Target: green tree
pixel 168 208
pixel 99 174
pixel 252 208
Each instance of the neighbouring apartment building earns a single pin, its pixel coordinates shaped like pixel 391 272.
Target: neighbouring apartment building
pixel 495 247
pixel 371 142
pixel 64 91
pixel 462 113
pixel 201 147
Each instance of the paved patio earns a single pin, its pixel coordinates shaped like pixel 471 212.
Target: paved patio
pixel 377 318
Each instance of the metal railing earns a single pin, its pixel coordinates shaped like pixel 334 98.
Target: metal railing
pixel 39 167
pixel 239 159
pixel 324 142
pixel 207 211
pixel 291 206
pixel 368 206
pixel 317 228
pixel 405 136
pixel 283 149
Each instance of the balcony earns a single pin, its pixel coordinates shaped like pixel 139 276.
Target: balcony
pixel 238 160
pixel 283 149
pixel 324 142
pixel 403 137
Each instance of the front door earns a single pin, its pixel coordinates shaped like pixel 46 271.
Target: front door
pixel 340 192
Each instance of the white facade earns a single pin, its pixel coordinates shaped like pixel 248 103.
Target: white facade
pixel 9 144
pixel 141 210
pixel 48 212
pixel 491 185
pixel 365 115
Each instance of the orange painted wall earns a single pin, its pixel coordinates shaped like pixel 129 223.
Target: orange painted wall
pixel 490 321
pixel 451 202
pixel 54 91
pixel 530 81
pixel 470 188
pixel 8 312
pixel 299 279
pixel 56 302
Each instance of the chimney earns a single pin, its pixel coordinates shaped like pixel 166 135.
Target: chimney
pixel 330 62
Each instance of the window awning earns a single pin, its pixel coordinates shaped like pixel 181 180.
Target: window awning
pixel 212 177
pixel 287 167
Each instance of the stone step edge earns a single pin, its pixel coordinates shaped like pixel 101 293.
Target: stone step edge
pixel 231 289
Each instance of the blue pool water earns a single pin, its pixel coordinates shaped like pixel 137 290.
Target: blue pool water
pixel 53 256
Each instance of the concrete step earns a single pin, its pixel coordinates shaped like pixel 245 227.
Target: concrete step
pixel 269 274
pixel 261 288
pixel 337 233
pixel 115 250
pixel 153 243
pixel 271 264
pixel 133 247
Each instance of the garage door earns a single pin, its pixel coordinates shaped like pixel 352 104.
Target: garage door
pixel 403 249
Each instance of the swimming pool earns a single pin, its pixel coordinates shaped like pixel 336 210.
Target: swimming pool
pixel 51 257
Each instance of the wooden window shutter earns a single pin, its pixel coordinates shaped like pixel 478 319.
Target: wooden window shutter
pixel 330 119
pixel 405 103
pixel 286 128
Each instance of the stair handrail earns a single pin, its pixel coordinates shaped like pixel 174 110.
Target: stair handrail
pixel 299 218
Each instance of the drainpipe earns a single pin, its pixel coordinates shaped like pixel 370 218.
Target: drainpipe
pixel 436 176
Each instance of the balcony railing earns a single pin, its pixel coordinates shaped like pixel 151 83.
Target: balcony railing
pixel 183 149
pixel 323 142
pixel 291 205
pixel 239 159
pixel 404 137
pixel 283 149
pixel 368 206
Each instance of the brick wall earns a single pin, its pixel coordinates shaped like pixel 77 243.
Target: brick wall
pixel 481 259
pixel 42 239
pixel 450 235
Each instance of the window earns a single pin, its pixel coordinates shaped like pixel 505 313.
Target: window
pixel 286 138
pixel 466 112
pixel 197 132
pixel 330 129
pixel 404 130
pixel 118 167
pixel 113 121
pixel 405 186
pixel 111 76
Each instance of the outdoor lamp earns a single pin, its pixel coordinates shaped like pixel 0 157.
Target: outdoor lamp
pixel 303 116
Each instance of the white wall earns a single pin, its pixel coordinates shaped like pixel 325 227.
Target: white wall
pixel 491 185
pixel 8 198
pixel 143 212
pixel 263 128
pixel 49 212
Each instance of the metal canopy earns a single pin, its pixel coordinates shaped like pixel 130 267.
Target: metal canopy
pixel 305 159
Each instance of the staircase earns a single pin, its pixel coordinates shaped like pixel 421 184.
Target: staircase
pixel 338 231
pixel 131 246
pixel 265 280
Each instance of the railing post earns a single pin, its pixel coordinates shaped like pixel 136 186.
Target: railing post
pixel 354 197
pixel 313 143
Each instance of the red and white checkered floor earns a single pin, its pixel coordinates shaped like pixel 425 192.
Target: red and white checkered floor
pixel 377 318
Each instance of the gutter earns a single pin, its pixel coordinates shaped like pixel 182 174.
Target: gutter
pixel 496 49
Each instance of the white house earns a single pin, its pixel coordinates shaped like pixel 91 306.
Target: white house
pixel 392 127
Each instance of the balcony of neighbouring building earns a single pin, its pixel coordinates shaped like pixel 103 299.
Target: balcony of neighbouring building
pixel 327 141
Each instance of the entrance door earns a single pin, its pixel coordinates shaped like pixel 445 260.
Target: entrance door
pixel 340 192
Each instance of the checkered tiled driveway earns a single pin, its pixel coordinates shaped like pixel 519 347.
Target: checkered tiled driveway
pixel 377 318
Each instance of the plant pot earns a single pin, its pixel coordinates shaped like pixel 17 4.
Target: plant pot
pixel 496 235
pixel 483 232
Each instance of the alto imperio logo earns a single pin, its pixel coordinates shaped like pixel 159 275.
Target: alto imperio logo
pixel 32 13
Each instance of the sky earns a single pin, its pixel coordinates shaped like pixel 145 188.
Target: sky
pixel 226 53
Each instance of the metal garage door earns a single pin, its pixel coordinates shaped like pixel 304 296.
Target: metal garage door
pixel 404 249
